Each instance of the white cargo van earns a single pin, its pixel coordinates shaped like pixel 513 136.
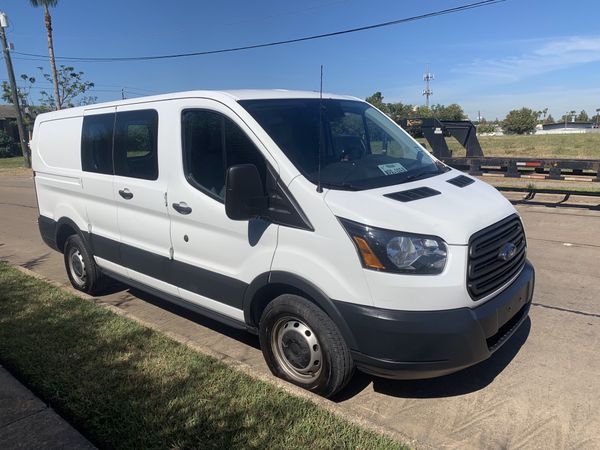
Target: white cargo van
pixel 317 223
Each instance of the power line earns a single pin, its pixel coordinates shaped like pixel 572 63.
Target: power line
pixel 442 12
pixel 45 85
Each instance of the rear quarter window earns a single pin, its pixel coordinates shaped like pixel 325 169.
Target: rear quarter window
pixel 58 142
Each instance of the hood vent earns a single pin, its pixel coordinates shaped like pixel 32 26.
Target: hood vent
pixel 413 194
pixel 461 181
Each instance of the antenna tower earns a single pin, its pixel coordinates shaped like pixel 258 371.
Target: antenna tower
pixel 427 92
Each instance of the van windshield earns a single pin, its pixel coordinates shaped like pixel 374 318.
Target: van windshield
pixel 361 148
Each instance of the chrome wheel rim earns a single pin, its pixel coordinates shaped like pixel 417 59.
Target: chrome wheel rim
pixel 296 349
pixel 77 266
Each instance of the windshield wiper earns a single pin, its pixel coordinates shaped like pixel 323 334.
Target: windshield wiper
pixel 420 176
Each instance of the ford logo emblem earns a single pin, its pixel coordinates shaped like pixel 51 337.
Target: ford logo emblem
pixel 507 252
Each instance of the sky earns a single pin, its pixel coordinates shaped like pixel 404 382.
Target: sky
pixel 534 53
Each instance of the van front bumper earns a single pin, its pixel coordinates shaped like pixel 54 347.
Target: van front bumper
pixel 426 344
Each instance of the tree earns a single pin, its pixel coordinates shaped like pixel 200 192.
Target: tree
pixel 8 146
pixel 569 117
pixel 23 92
pixel 399 111
pixel 549 119
pixel 421 111
pixel 486 127
pixel 583 117
pixel 46 4
pixel 71 86
pixel 377 101
pixel 520 121
pixel 597 116
pixel 450 112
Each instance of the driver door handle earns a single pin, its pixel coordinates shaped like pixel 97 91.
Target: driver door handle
pixel 126 194
pixel 182 208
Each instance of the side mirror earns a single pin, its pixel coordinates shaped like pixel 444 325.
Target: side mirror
pixel 244 193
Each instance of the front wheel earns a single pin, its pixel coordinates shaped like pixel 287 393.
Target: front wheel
pixel 301 344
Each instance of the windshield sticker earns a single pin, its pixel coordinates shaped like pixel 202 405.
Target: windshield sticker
pixel 392 168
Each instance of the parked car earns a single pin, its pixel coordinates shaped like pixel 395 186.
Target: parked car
pixel 316 223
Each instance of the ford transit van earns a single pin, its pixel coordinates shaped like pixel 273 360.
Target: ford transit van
pixel 315 222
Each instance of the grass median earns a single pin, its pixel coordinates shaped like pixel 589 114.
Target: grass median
pixel 126 386
pixel 15 162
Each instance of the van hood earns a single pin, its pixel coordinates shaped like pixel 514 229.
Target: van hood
pixel 454 215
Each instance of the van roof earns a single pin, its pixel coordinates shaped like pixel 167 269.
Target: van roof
pixel 235 95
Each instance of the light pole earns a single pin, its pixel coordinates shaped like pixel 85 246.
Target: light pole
pixel 13 88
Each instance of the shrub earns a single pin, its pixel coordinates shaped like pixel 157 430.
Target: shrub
pixel 8 146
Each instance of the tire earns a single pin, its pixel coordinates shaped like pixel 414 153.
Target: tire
pixel 302 345
pixel 81 268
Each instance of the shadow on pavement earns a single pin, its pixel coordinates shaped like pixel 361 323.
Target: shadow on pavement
pixel 559 204
pixel 34 262
pixel 463 382
pixel 131 293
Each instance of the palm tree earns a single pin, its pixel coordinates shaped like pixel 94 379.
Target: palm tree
pixel 48 22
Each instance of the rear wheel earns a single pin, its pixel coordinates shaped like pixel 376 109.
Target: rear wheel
pixel 81 268
pixel 301 344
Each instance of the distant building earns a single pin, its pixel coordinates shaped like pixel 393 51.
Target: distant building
pixel 568 128
pixel 8 119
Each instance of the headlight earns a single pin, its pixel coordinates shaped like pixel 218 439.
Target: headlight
pixel 394 251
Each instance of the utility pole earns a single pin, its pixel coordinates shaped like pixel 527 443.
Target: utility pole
pixel 427 92
pixel 13 88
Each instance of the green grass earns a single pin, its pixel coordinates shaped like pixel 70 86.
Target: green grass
pixel 582 146
pixel 11 163
pixel 126 386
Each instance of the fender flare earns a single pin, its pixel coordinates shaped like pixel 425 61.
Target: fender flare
pixel 69 222
pixel 300 286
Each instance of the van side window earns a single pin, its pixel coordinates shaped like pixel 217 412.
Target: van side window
pixel 96 143
pixel 211 144
pixel 136 138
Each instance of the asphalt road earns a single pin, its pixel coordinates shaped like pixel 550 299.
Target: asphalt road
pixel 541 390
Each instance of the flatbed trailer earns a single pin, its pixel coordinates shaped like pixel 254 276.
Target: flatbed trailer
pixel 475 163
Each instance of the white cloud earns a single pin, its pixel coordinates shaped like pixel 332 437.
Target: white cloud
pixel 555 54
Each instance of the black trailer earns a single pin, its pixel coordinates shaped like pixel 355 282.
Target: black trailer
pixel 435 131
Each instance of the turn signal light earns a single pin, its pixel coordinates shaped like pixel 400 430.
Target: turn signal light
pixel 369 258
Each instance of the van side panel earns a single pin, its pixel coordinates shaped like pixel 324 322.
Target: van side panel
pixel 56 161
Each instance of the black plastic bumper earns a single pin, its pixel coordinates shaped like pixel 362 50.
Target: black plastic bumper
pixel 426 344
pixel 48 231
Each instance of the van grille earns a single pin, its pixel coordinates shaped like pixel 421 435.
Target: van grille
pixel 486 271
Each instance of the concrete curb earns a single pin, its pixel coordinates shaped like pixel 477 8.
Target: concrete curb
pixel 243 367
